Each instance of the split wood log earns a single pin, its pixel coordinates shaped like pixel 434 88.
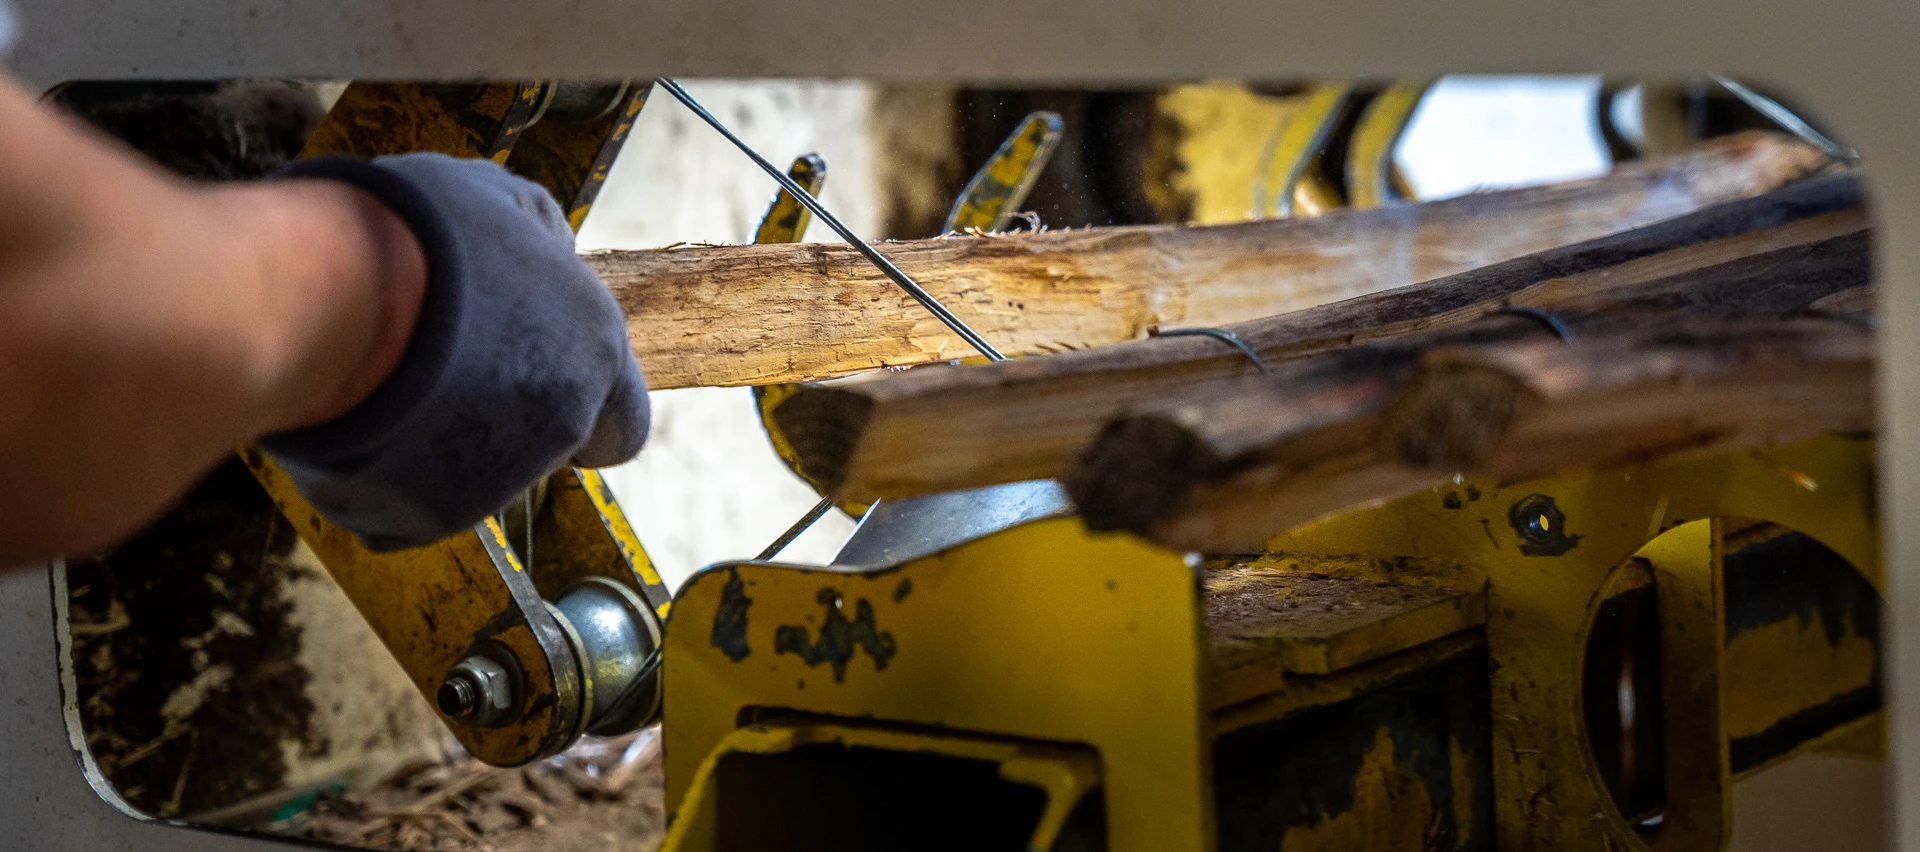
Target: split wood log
pixel 1364 426
pixel 740 315
pixel 940 429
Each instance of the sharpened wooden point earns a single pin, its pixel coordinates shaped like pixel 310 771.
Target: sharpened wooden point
pixel 1451 416
pixel 824 425
pixel 1135 472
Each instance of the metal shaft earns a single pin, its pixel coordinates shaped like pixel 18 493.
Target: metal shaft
pixel 1788 121
pixel 919 294
pixel 806 521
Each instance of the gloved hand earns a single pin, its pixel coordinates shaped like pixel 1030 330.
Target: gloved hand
pixel 519 362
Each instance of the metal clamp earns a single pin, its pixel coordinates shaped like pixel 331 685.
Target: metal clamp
pixel 1220 334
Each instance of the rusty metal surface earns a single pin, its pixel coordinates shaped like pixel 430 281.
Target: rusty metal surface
pixel 433 606
pixel 466 120
pixel 570 153
pixel 1404 766
pixel 1550 549
pixel 991 637
pixel 1311 615
pixel 900 530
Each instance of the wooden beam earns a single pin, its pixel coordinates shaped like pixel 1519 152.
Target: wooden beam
pixel 739 315
pixel 1223 475
pixel 939 429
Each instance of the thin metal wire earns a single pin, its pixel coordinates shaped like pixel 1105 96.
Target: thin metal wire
pixel 814 514
pixel 1788 120
pixel 647 667
pixel 1222 335
pixel 873 255
pixel 806 198
pixel 1546 318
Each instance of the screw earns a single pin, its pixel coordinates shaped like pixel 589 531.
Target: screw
pixel 477 692
pixel 459 697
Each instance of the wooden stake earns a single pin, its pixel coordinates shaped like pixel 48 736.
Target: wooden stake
pixel 1223 475
pixel 739 315
pixel 937 429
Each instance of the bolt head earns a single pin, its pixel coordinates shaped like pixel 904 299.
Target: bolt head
pixel 478 691
pixel 458 697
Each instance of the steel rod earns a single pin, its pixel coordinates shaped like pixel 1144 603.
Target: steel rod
pixel 814 514
pixel 806 198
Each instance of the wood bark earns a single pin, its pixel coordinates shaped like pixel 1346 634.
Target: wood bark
pixel 739 315
pixel 1224 474
pixel 937 429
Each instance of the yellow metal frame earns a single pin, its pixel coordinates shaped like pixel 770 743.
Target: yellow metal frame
pixel 1003 183
pixel 1065 774
pixel 1284 182
pixel 984 639
pixel 433 606
pixel 1540 610
pixel 1372 179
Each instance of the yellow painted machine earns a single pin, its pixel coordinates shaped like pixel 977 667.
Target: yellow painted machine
pixel 1588 661
pixel 1583 662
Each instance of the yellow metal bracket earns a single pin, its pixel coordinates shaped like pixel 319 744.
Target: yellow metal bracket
pixel 1001 186
pixel 1502 579
pixel 1551 550
pixel 1285 179
pixel 1066 774
pixel 463 119
pixel 1372 179
pixel 469 594
pixel 977 640
pixel 572 147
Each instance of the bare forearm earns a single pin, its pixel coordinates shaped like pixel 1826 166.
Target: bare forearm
pixel 150 325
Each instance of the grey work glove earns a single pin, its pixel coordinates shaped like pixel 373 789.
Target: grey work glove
pixel 518 363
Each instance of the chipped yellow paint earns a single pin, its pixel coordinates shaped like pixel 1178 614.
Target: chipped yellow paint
pixel 999 188
pixel 1865 738
pixel 372 119
pixel 1460 775
pixel 1821 671
pixel 1207 153
pixel 620 528
pixel 980 635
pixel 1391 810
pixel 1540 608
pixel 429 604
pixel 1371 176
pixel 1065 773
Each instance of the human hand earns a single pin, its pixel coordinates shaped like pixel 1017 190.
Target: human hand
pixel 518 363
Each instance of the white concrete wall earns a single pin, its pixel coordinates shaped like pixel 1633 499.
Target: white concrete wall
pixel 708 486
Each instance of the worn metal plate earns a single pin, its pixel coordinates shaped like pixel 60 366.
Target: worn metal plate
pixel 979 638
pixel 899 530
